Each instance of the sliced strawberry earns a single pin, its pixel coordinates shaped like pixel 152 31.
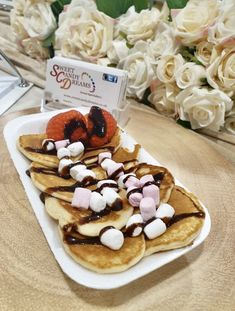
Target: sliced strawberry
pixel 67 125
pixel 101 126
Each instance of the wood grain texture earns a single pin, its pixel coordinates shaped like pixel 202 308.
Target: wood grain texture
pixel 30 278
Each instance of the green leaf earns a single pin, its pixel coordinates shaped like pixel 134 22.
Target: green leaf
pixel 112 8
pixel 144 99
pixel 130 46
pixel 58 6
pixel 176 4
pixel 49 41
pixel 185 124
pixel 188 55
pixel 113 65
pixel 141 5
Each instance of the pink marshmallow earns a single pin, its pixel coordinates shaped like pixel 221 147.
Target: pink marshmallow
pixel 81 198
pixel 114 168
pixel 147 208
pixel 132 181
pixel 146 178
pixel 152 191
pixel 61 143
pixel 104 155
pixel 135 198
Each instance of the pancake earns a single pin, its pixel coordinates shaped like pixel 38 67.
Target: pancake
pixel 31 146
pixel 87 222
pixel 182 232
pixel 161 175
pixel 47 180
pixel 101 259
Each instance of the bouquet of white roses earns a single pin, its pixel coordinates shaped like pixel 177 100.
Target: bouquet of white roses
pixel 180 59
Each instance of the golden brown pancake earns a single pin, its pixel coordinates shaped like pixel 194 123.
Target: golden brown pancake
pixel 182 232
pixel 31 146
pixel 101 259
pixel 87 222
pixel 166 179
pixel 47 180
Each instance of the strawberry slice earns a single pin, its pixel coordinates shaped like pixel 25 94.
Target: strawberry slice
pixel 67 125
pixel 101 126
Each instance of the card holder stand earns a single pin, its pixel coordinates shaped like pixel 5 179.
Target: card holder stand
pixel 122 115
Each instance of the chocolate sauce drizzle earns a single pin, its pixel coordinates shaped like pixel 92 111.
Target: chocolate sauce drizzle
pixel 99 123
pixel 72 126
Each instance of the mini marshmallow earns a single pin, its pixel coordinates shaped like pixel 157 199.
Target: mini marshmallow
pixel 123 177
pixel 135 198
pixel 97 202
pixel 165 211
pixel 76 148
pixel 62 153
pixel 104 155
pixel 137 220
pixel 107 163
pixel 61 143
pixel 83 174
pixel 153 192
pixel 110 196
pixel 155 228
pixel 81 198
pixel 48 144
pixel 146 178
pixel 64 163
pixel 114 168
pixel 132 181
pixel 112 238
pixel 147 208
pixel 76 169
pixel 107 181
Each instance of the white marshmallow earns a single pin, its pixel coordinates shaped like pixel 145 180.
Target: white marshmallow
pixel 107 181
pixel 76 148
pixel 112 238
pixel 155 228
pixel 77 169
pixel 83 174
pixel 97 202
pixel 48 144
pixel 121 178
pixel 138 220
pixel 62 153
pixel 61 143
pixel 63 163
pixel 107 163
pixel 110 196
pixel 165 211
pixel 104 155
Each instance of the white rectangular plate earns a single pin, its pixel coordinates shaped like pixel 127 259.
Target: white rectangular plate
pixel 36 124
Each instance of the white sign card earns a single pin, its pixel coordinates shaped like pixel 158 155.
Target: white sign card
pixel 76 83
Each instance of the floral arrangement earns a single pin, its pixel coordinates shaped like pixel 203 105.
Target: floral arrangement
pixel 180 58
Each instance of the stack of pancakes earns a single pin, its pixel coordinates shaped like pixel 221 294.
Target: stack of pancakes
pixel 79 229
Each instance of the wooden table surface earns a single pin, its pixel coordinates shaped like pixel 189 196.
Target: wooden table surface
pixel 30 278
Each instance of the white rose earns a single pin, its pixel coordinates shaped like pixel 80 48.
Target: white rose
pixel 221 72
pixel 33 47
pixel 203 107
pixel 85 34
pixel 163 98
pixel 140 70
pixel 88 4
pixel 164 42
pixel 192 22
pixel 190 74
pixel 17 26
pixel 19 6
pixel 223 29
pixel 117 51
pixel 39 20
pixel 203 52
pixel 138 26
pixel 167 66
